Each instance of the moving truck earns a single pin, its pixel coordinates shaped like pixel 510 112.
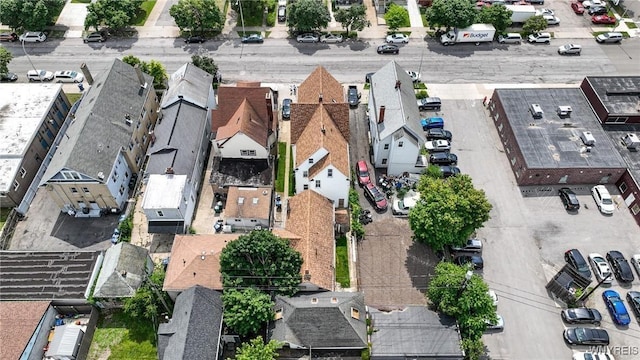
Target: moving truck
pixel 476 33
pixel 520 13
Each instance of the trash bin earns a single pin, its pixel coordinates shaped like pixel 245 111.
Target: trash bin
pixel 81 87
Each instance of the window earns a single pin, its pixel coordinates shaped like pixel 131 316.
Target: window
pixel 310 161
pixel 330 172
pixel 160 213
pixel 247 153
pixel 635 209
pixel 114 178
pixel 73 190
pixel 305 174
pixel 16 185
pixel 44 144
pixel 305 186
pixel 23 172
pixel 622 187
pixel 50 134
pixel 384 161
pixel 386 146
pixel 121 191
pixel 400 143
pixel 130 145
pixel 317 183
pixel 85 189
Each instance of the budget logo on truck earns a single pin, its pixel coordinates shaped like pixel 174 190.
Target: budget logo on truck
pixel 470 35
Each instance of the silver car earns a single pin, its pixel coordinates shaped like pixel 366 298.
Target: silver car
pixel 570 49
pixel 68 76
pixel 308 38
pixel 331 38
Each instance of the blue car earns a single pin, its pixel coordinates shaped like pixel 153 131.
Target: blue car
pixel 616 307
pixel 432 123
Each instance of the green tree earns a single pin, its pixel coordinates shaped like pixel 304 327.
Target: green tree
pixel 307 15
pixel 262 260
pixel 34 15
pixel 451 13
pixel 197 15
pixel 433 171
pixel 448 211
pixel 534 24
pixel 153 68
pixel 396 17
pixel 256 349
pixel 246 311
pixel 352 18
pixel 205 63
pixel 5 59
pixel 473 348
pixel 466 300
pixel 112 14
pixel 149 300
pixel 497 15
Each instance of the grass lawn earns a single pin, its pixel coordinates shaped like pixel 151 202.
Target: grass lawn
pixel 81 1
pixel 282 153
pixel 292 178
pixel 73 97
pixel 4 213
pixel 123 337
pixel 143 12
pixel 342 263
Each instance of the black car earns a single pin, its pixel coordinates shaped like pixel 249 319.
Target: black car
pixel 286 108
pixel 586 336
pixel 8 77
pixel 194 39
pixel 449 171
pixel 443 158
pixel 569 199
pixel 475 260
pixel 633 298
pixel 575 259
pixel 620 266
pixel 438 134
pixel 252 39
pixel 388 49
pixel 598 10
pixel 581 316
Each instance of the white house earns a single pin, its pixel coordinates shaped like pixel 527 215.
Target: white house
pixel 394 122
pixel 245 136
pixel 167 207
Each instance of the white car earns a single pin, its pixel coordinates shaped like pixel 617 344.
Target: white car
pixel 39 75
pixel 570 49
pixel 544 11
pixel 551 19
pixel 600 268
pixel 33 36
pixel 68 76
pixel 498 325
pixel 437 145
pixel 592 356
pixel 397 39
pixel 331 38
pixel 603 199
pixel 591 3
pixel 635 261
pixel 401 207
pixel 493 296
pixel 415 77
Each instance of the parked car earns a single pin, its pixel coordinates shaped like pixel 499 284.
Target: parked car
pixel 194 39
pixel 115 236
pixel 551 19
pixel 438 134
pixel 430 103
pixel 616 307
pixel 68 76
pixel 472 245
pixel 475 261
pixel 39 75
pixel 633 298
pixel 600 268
pixel 575 259
pixel 597 10
pixel 603 199
pixel 432 123
pixel 588 355
pixel 581 316
pixel 286 108
pixel 603 19
pixel 253 39
pixel 307 38
pixel 569 199
pixel 437 146
pixel 401 206
pixel 586 336
pixel 635 261
pixel 620 266
pixel 363 173
pixel 443 158
pixel 449 171
pixel 493 296
pixel 415 77
pixel 9 36
pixel 495 326
pixel 544 11
pixel 377 198
pixel 8 77
pixel 537 38
pixel 570 49
pixel 95 37
pixel 609 37
pixel 331 38
pixel 33 36
pixel 510 38
pixel 577 7
pixel 388 49
pixel 397 39
pixel 588 4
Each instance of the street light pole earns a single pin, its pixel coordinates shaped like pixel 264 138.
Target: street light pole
pixel 463 286
pixel 29 58
pixel 241 17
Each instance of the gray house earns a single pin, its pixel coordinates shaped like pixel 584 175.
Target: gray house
pixel 394 122
pixel 124 269
pixel 194 331
pixel 178 151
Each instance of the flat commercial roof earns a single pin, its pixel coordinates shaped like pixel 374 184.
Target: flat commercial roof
pixel 552 141
pixel 631 157
pixel 619 94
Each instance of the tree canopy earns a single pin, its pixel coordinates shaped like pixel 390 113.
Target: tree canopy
pixel 153 68
pixel 149 300
pixel 256 349
pixel 352 18
pixel 197 15
pixel 396 17
pixel 534 24
pixel 246 311
pixel 307 16
pixel 112 14
pixel 5 59
pixel 448 212
pixel 451 13
pixel 207 64
pixel 33 15
pixel 497 15
pixel 261 260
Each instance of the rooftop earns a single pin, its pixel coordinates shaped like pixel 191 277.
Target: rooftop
pixel 320 86
pixel 191 84
pixel 18 322
pixel 22 110
pixel 230 98
pixel 619 94
pixel 248 202
pixel 631 157
pixel 552 141
pixel 124 269
pixel 240 172
pixel 164 191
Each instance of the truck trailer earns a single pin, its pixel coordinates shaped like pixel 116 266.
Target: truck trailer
pixel 476 33
pixel 520 13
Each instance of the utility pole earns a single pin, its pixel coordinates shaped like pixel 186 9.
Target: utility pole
pixel 584 296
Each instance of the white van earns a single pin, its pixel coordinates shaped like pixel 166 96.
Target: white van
pixel 510 38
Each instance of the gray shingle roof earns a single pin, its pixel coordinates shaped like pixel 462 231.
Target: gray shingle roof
pixel 190 82
pixel 400 105
pixel 327 320
pixel 124 268
pixel 194 331
pixel 98 132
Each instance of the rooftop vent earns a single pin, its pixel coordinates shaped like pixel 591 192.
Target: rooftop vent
pixel 631 141
pixel 564 111
pixel 240 200
pixel 314 300
pixel 278 315
pixel 587 138
pixel 127 119
pixel 255 201
pixel 101 175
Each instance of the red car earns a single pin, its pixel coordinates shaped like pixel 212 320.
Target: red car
pixel 603 19
pixel 577 7
pixel 363 173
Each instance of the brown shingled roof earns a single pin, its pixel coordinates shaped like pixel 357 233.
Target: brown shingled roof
pixel 320 81
pixel 18 321
pixel 256 202
pixel 311 217
pixel 247 121
pixel 187 266
pixel 231 97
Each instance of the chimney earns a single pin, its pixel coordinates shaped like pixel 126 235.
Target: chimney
pixel 398 83
pixel 169 170
pixel 381 116
pixel 323 129
pixel 143 82
pixel 87 73
pixel 320 98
